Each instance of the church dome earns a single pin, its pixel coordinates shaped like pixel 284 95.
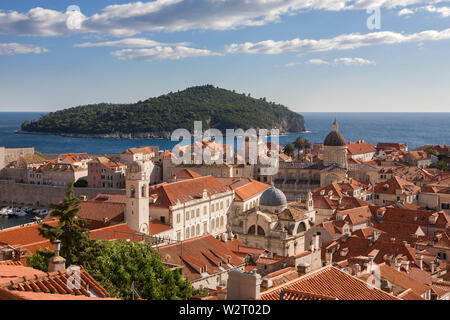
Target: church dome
pixel 273 197
pixel 335 139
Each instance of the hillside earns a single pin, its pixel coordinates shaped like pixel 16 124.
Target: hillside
pixel 157 117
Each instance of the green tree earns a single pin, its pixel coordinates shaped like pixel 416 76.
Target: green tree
pixel 124 263
pixel 301 144
pixel 39 260
pixel 288 149
pixel 71 230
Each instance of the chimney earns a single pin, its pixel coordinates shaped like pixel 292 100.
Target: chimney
pixel 316 240
pixel 56 263
pixel 303 268
pixel 243 285
pixel 420 261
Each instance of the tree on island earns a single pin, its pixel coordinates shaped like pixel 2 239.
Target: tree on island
pixel 117 265
pixel 301 144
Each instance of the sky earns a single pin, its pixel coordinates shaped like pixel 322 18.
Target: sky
pixel 310 55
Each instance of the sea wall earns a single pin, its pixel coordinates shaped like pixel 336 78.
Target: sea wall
pixel 9 155
pixel 40 195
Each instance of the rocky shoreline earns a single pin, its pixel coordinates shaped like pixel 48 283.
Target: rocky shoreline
pixel 118 135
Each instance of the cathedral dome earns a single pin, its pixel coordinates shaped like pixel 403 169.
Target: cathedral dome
pixel 273 197
pixel 335 139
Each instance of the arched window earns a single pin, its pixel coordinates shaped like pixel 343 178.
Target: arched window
pixel 301 227
pixel 187 233
pixel 192 231
pixel 261 231
pixel 132 192
pixel 212 224
pixel 198 230
pixel 252 229
pixel 143 192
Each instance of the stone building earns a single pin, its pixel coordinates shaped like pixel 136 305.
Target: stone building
pixel 275 225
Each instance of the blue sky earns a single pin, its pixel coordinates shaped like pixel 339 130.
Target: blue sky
pixel 311 55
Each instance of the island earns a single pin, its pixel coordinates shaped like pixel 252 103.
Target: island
pixel 157 117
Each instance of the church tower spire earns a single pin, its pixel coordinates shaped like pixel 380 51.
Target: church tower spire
pixel 335 125
pixel 137 201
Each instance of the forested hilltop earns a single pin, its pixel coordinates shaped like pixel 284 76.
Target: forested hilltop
pixel 216 108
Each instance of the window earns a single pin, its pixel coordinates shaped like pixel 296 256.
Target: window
pixel 187 233
pixel 132 192
pixel 212 225
pixel 445 206
pixel 187 215
pixel 221 205
pixel 198 229
pixel 192 231
pixel 178 218
pixel 178 235
pixel 221 221
pixel 163 219
pixel 192 214
pixel 205 227
pixel 197 212
pixel 205 210
pixel 212 207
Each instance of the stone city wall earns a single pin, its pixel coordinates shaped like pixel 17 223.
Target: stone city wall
pixel 41 195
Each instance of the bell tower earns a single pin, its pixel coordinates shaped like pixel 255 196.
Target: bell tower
pixel 137 199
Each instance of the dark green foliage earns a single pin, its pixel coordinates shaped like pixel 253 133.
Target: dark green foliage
pixel 39 260
pixel 288 149
pixel 71 230
pixel 81 184
pixel 121 263
pixel 301 144
pixel 116 265
pixel 215 107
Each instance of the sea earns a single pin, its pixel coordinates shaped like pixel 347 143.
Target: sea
pixel 415 129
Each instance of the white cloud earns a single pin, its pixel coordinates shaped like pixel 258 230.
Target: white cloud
pixel 161 53
pixel 128 42
pixel 129 19
pixel 405 12
pixel 341 42
pixel 11 49
pixel 353 61
pixel 443 11
pixel 317 61
pixel 291 64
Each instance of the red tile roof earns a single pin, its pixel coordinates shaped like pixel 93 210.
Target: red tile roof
pixel 25 279
pixel 244 188
pixel 186 174
pixel 359 148
pixel 204 252
pixel 169 194
pixel 396 183
pixel 329 283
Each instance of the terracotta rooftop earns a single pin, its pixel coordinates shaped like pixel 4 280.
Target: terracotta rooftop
pixel 170 194
pixel 327 283
pixel 360 147
pixel 200 256
pixel 244 188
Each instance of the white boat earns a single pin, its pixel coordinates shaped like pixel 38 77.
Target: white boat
pixel 6 211
pixel 20 213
